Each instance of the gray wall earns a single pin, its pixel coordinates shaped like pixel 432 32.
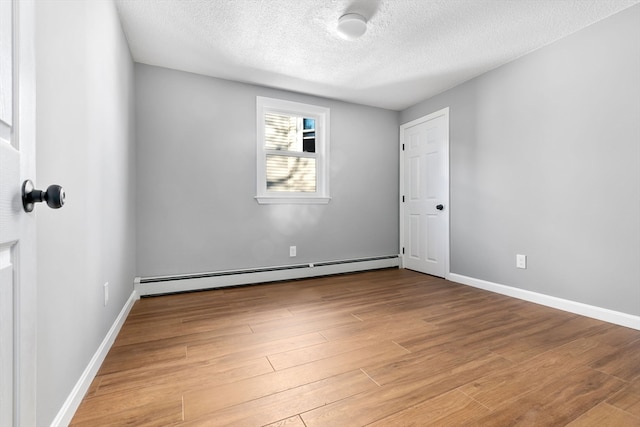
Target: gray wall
pixel 196 141
pixel 545 161
pixel 85 142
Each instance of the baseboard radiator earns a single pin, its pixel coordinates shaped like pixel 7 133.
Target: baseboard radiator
pixel 158 285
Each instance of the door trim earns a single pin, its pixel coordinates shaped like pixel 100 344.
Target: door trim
pixel 403 128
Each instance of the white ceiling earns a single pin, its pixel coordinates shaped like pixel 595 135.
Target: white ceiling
pixel 413 49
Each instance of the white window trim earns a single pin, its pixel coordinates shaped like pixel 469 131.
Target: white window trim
pixel 321 116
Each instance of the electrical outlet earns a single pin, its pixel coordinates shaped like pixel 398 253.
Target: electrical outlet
pixel 521 261
pixel 292 251
pixel 106 293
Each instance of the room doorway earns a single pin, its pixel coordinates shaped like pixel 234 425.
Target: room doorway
pixel 424 194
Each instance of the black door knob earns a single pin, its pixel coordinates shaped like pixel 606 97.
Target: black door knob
pixel 439 207
pixel 53 195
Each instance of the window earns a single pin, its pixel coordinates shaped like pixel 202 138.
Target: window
pixel 292 152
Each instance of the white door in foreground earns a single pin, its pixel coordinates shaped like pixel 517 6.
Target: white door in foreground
pixel 17 228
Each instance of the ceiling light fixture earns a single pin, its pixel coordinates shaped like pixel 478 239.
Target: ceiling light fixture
pixel 351 26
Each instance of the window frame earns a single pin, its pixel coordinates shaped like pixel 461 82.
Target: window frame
pixel 321 115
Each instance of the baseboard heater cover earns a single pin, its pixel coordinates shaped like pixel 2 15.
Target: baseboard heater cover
pixel 157 285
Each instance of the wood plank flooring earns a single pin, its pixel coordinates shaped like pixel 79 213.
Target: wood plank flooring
pixel 381 348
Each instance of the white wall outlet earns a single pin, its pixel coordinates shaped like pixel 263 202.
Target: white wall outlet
pixel 521 261
pixel 106 293
pixel 292 251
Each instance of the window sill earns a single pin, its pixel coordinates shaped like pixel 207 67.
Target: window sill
pixel 275 200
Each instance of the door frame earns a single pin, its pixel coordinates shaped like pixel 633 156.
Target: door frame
pixel 447 214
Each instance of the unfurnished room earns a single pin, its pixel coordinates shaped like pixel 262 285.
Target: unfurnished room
pixel 320 213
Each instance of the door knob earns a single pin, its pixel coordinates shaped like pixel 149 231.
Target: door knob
pixel 439 207
pixel 53 195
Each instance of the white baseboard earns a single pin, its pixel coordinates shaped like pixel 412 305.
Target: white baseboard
pixel 170 284
pixel 64 416
pixel 604 314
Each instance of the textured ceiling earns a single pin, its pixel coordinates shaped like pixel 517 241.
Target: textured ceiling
pixel 413 49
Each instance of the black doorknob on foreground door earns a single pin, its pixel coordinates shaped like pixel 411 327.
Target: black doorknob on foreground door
pixel 439 207
pixel 53 195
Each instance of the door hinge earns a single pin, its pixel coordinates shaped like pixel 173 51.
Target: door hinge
pixel 402 251
pixel 402 147
pixel 402 199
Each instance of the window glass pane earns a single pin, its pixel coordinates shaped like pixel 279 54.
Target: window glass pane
pixel 289 173
pixel 309 144
pixel 289 133
pixel 309 124
pixel 281 132
pixel 308 135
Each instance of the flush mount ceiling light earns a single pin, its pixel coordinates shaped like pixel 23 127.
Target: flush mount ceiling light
pixel 351 26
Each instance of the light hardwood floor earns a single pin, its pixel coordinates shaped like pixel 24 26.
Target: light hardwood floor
pixel 382 348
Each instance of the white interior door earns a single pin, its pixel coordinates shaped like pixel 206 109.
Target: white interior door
pixel 425 193
pixel 17 228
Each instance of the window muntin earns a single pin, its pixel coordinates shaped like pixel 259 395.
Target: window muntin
pixel 292 152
